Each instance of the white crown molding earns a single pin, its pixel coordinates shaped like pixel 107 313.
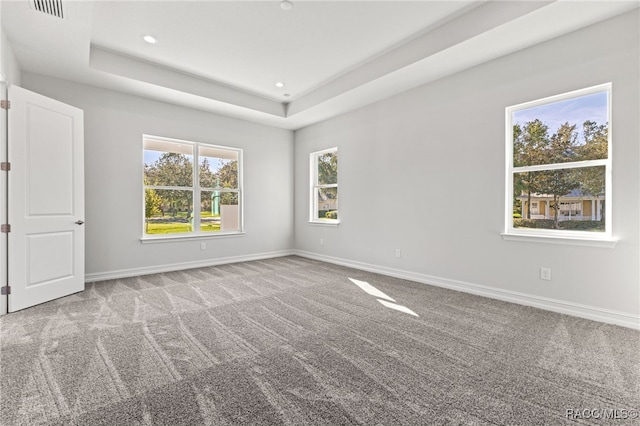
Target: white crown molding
pixel 116 63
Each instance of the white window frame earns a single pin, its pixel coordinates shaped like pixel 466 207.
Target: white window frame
pixel 584 238
pixel 314 187
pixel 195 187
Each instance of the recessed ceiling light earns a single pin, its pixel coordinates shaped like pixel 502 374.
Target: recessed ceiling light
pixel 280 84
pixel 286 5
pixel 149 39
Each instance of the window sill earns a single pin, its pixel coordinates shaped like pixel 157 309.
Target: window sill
pixel 563 240
pixel 324 222
pixel 167 239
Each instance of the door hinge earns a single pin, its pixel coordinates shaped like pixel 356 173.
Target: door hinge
pixel 5 166
pixel 5 228
pixel 5 290
pixel 5 104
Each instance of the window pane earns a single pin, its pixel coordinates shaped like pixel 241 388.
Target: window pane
pixel 168 163
pixel 219 211
pixel 578 194
pixel 218 168
pixel 210 211
pixel 229 212
pixel 168 211
pixel 328 168
pixel 327 203
pixel 217 207
pixel 574 129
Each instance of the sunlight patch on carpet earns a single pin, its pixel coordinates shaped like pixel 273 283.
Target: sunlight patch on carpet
pixel 397 307
pixel 387 302
pixel 368 288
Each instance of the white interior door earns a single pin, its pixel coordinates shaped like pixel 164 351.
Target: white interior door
pixel 45 199
pixel 3 198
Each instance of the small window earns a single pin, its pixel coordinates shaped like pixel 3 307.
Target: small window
pixel 559 165
pixel 534 208
pixel 324 186
pixel 191 188
pixel 571 209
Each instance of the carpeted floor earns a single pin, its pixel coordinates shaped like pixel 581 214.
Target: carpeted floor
pixel 294 341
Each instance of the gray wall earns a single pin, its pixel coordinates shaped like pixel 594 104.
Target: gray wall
pixel 8 65
pixel 424 172
pixel 114 125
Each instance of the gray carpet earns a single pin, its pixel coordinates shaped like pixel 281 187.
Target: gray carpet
pixel 293 341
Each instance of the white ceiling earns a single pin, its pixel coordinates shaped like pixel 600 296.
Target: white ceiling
pixel 334 56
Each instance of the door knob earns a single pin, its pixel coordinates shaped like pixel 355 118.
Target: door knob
pixel 79 222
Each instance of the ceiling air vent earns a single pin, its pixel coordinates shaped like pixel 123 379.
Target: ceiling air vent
pixel 50 7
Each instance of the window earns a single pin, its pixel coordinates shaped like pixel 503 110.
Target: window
pixel 571 209
pixel 173 185
pixel 534 208
pixel 559 166
pixel 324 186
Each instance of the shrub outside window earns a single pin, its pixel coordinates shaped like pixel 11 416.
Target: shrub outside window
pixel 559 166
pixel 179 175
pixel 324 186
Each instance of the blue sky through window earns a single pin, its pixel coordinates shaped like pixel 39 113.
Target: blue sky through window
pixel 151 157
pixel 575 111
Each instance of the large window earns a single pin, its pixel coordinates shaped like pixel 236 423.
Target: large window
pixel 191 188
pixel 324 186
pixel 559 166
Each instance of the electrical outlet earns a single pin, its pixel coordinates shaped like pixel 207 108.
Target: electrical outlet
pixel 545 273
pixel 397 252
pixel 203 246
pixel 321 241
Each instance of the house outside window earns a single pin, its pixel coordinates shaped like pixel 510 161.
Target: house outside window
pixel 190 188
pixel 571 210
pixel 559 166
pixel 324 186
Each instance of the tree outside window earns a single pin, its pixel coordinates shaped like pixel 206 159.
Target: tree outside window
pixel 324 186
pixel 559 165
pixel 173 185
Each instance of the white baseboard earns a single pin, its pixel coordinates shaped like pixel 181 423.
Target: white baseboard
pixel 569 308
pixel 133 272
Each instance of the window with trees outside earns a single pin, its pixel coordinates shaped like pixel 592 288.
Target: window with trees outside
pixel 324 186
pixel 559 166
pixel 191 188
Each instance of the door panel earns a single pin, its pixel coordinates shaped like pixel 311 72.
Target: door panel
pixel 53 253
pixel 49 193
pixel 46 199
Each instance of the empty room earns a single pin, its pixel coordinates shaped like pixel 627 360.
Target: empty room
pixel 319 212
